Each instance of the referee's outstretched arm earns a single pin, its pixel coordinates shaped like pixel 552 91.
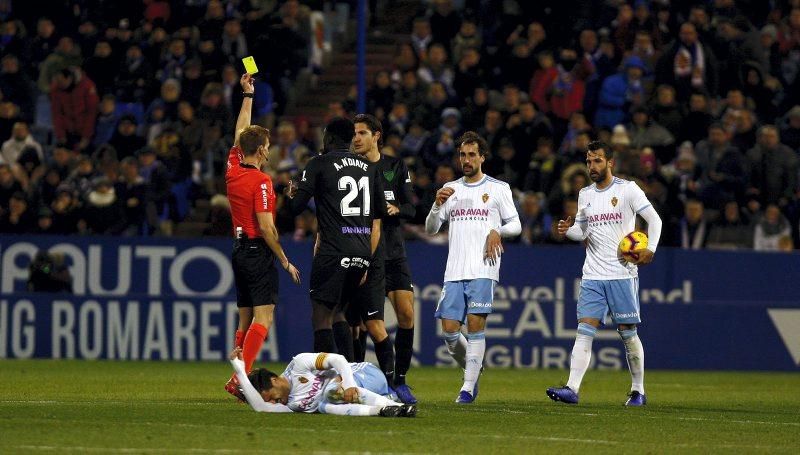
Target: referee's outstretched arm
pixel 243 121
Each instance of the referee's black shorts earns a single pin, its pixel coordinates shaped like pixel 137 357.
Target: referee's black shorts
pixel 335 278
pixel 367 301
pixel 398 275
pixel 254 273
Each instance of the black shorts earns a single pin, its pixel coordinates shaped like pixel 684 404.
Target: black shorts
pixel 334 278
pixel 398 275
pixel 254 273
pixel 367 301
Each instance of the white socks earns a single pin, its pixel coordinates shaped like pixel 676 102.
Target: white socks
pixel 581 355
pixel 457 347
pixel 634 351
pixel 358 410
pixel 373 399
pixel 476 347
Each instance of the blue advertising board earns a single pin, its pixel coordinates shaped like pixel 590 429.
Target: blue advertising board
pixel 171 299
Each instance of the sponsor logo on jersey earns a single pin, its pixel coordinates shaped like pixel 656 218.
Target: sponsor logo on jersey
pixel 469 212
pixel 613 216
pixel 614 201
pixel 356 230
pixel 389 195
pixel 303 380
pixel 388 175
pixel 354 262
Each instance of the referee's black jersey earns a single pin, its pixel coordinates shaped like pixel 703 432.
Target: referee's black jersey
pixel 348 195
pixel 397 191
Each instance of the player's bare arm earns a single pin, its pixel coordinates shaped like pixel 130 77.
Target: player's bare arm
pixel 243 121
pixel 392 210
pixel 268 231
pixel 494 247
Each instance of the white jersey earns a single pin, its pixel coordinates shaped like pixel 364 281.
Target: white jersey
pixel 472 211
pixel 308 381
pixel 611 215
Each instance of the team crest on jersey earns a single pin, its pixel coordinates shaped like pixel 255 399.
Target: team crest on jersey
pixel 389 175
pixel 485 197
pixel 614 201
pixel 303 380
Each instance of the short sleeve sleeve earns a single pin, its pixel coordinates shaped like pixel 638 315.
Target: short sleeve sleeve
pixel 264 196
pixel 308 179
pixel 508 211
pixel 234 157
pixel 638 200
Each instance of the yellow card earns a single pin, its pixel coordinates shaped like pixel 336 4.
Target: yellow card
pixel 250 65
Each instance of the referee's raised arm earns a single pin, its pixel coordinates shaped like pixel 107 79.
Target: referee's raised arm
pixel 243 121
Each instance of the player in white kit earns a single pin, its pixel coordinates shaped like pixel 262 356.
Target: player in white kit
pixel 607 212
pixel 480 211
pixel 320 382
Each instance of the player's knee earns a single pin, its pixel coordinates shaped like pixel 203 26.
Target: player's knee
pixel 626 331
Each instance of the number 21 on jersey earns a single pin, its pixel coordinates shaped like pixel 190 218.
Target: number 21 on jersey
pixel 349 183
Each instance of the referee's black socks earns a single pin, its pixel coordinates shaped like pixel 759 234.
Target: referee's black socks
pixel 404 349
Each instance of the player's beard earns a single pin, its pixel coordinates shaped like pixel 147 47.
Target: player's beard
pixel 599 176
pixel 468 170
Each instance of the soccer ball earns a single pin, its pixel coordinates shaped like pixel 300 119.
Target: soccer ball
pixel 631 245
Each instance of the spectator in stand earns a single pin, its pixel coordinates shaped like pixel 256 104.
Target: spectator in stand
pixel 771 229
pixel 234 43
pixel 101 67
pixel 130 190
pixel 467 37
pixel 667 113
pixel 441 146
pixel 381 95
pixel 518 66
pixel 133 81
pixel 103 212
pixel 436 68
pixel 19 218
pixel 9 186
pixel 74 101
pixel 773 168
pixel 66 55
pixel 493 129
pixel 731 230
pixel 42 45
pixel 688 65
pixel 411 92
pixel 544 169
pixel 621 92
pixel 17 87
pixel 558 91
pixel 692 230
pixel 526 128
pixel 287 150
pixel 429 113
pixel 535 222
pixel 694 126
pixel 739 44
pixel 469 73
pixel 157 189
pixel 445 22
pixel 790 129
pixel 723 167
pixel 125 140
pixel 421 38
pixel 20 140
pixel 475 107
pixel 644 132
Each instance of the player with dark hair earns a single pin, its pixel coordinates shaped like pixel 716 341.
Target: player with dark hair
pixel 349 203
pixel 252 200
pixel 320 382
pixel 389 274
pixel 480 211
pixel 607 212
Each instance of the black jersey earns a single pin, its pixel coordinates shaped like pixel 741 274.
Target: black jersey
pixel 397 191
pixel 348 195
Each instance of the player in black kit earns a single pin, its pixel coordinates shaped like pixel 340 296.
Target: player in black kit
pixel 389 273
pixel 349 201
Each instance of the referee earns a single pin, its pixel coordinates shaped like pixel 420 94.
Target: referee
pixel 252 200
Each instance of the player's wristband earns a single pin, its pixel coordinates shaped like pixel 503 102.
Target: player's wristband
pixel 247 95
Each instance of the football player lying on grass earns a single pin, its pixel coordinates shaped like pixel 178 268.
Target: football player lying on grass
pixel 319 382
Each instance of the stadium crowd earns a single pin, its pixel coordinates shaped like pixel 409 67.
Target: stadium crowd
pixel 116 117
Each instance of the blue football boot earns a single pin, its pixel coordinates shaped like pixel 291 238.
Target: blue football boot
pixel 636 399
pixel 404 394
pixel 464 397
pixel 563 394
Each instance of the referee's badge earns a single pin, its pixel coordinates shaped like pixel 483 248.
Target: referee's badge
pixel 614 201
pixel 485 197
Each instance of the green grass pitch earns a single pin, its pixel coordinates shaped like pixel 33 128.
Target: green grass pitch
pixel 152 407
